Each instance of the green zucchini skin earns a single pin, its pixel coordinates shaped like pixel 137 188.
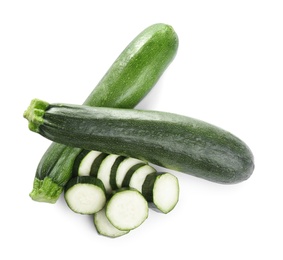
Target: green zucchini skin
pixel 169 140
pixel 137 69
pixel 125 84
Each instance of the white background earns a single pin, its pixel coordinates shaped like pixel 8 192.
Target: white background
pixel 228 71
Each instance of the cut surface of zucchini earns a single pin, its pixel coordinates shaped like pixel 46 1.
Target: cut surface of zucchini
pixel 85 195
pixel 127 209
pixel 104 227
pixel 86 163
pixel 104 171
pixel 165 192
pixel 139 177
pixel 129 174
pixel 124 167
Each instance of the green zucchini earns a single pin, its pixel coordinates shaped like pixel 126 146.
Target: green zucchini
pixel 169 140
pixel 125 84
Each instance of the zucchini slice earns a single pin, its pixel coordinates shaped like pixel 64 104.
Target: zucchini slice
pixel 104 226
pixel 96 164
pixel 104 171
pixel 86 163
pixel 113 173
pixel 127 209
pixel 125 168
pixel 78 161
pixel 129 174
pixel 85 195
pixel 165 192
pixel 139 176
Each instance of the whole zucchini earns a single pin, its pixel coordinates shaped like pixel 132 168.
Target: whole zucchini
pixel 173 141
pixel 127 81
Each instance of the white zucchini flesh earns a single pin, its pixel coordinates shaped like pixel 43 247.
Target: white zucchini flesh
pixel 166 192
pixel 139 176
pixel 104 171
pixel 104 226
pixel 127 209
pixel 85 198
pixel 86 163
pixel 123 169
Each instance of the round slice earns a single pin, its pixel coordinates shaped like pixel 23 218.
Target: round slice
pixel 162 189
pixel 139 176
pixel 123 169
pixel 127 209
pixel 165 192
pixel 86 163
pixel 104 226
pixel 85 194
pixel 104 171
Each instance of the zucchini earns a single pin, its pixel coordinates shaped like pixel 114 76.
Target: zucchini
pixel 169 140
pixel 127 209
pixel 125 84
pixel 162 189
pixel 85 195
pixel 104 226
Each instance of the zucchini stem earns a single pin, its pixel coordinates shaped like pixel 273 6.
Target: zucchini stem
pixel 45 190
pixel 34 114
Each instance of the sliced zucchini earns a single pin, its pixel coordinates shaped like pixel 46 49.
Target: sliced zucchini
pixel 113 172
pixel 163 190
pixel 130 172
pixel 85 194
pixel 123 169
pixel 77 162
pixel 139 177
pixel 104 171
pixel 96 164
pixel 104 226
pixel 127 209
pixel 86 163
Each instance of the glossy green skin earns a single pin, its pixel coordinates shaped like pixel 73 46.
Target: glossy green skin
pixel 125 84
pixel 173 141
pixel 137 69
